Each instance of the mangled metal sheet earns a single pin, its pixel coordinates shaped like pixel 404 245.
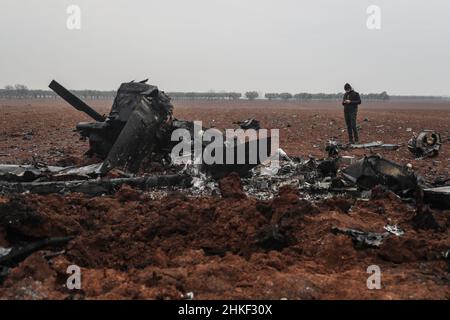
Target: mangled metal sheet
pixel 394 229
pixel 374 170
pixel 4 251
pixel 75 101
pixel 139 125
pixel 438 197
pixel 16 255
pixel 95 187
pixel 375 145
pixel 366 239
pixel 89 170
pixel 136 102
pixel 362 239
pixel 29 173
pixel 148 110
pixel 333 147
pixel 10 172
pixel 252 157
pixel 249 124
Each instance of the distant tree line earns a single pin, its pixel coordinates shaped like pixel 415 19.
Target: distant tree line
pixel 407 98
pixel 20 91
pixel 205 95
pixel 304 96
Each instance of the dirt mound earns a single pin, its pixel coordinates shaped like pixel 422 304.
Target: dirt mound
pixel 132 246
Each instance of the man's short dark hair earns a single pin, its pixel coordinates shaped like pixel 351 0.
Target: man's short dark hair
pixel 347 86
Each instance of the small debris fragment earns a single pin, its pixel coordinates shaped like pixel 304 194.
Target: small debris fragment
pixel 394 229
pixel 249 124
pixel 438 197
pixel 188 296
pixel 362 239
pixel 425 144
pixel 4 251
pixel 374 170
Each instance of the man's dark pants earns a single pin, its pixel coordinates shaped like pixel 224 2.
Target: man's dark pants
pixel 350 113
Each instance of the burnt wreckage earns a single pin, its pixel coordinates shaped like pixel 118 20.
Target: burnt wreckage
pixel 141 123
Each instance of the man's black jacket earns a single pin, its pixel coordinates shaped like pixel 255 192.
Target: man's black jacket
pixel 354 98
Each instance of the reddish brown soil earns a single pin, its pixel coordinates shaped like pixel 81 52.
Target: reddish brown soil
pixel 130 246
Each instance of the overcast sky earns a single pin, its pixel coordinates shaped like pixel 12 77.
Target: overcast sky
pixel 239 45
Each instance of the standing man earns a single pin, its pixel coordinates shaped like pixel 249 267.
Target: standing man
pixel 350 102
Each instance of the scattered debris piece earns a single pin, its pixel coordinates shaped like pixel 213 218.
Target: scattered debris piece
pixel 140 124
pixel 390 146
pixel 328 167
pixel 374 170
pixel 132 129
pixel 375 145
pixel 220 170
pixel 249 124
pixel 425 144
pixel 95 187
pixel 4 251
pixel 11 172
pixel 332 148
pixel 425 220
pixel 15 255
pixel 346 160
pixel 394 229
pixel 362 239
pixel 188 296
pixel 438 197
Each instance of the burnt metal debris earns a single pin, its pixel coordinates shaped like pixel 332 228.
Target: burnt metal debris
pixel 15 255
pixel 133 128
pixel 75 101
pixel 375 145
pixel 425 144
pixel 96 187
pixel 249 124
pixel 316 179
pixel 438 197
pixel 366 239
pixel 363 239
pixel 10 257
pixel 375 170
pixel 139 124
pixel 333 146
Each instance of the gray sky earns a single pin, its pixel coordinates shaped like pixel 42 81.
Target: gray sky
pixel 239 45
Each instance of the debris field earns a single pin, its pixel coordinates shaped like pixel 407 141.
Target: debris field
pixel 309 232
